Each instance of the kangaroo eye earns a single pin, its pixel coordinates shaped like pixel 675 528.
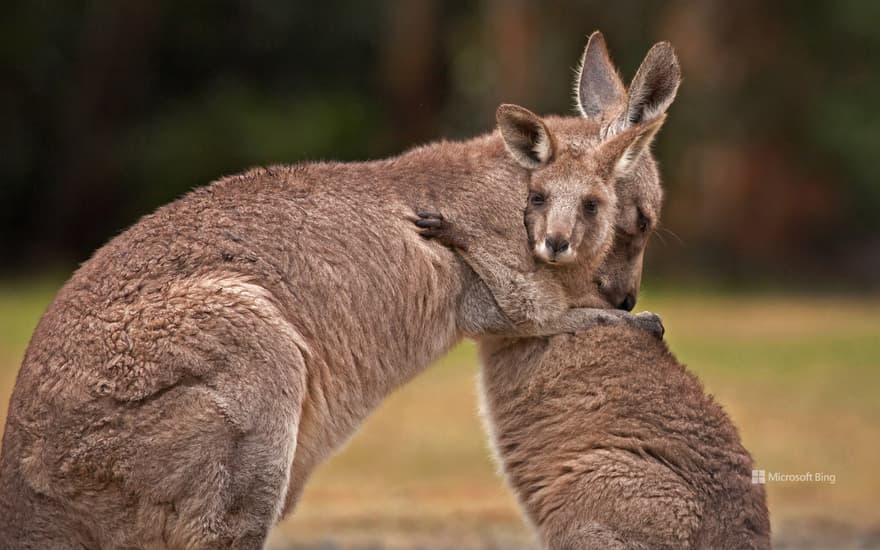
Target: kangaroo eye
pixel 642 222
pixel 591 206
pixel 536 199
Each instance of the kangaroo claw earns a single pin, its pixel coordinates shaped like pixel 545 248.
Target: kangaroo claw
pixel 435 227
pixel 650 322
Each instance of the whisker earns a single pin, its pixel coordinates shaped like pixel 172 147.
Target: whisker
pixel 671 233
pixel 660 237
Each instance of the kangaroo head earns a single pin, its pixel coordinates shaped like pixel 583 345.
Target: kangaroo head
pixel 619 125
pixel 572 170
pixel 603 99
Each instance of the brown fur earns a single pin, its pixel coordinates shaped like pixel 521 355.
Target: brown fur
pixel 610 443
pixel 618 127
pixel 579 167
pixel 607 441
pixel 188 377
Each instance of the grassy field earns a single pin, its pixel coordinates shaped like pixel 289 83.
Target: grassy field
pixel 798 374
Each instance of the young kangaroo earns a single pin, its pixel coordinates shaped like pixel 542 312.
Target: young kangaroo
pixel 572 212
pixel 186 380
pixel 607 441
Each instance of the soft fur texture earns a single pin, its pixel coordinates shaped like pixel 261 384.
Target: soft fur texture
pixel 610 444
pixel 611 148
pixel 188 377
pixel 583 169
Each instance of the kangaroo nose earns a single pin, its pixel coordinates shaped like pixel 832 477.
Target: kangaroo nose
pixel 628 303
pixel 557 245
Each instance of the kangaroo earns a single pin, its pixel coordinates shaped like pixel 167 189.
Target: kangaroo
pixel 610 443
pixel 607 441
pixel 570 220
pixel 611 113
pixel 190 375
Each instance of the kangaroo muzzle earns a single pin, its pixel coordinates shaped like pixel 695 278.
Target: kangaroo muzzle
pixel 555 249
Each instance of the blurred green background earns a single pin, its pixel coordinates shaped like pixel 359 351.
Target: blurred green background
pixel 766 270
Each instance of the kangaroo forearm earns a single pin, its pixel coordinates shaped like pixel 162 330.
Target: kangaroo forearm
pixel 580 319
pixel 572 320
pixel 478 312
pixel 521 297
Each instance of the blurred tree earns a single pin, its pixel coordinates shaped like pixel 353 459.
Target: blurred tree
pixel 111 109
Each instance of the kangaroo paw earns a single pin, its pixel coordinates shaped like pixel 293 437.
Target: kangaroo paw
pixel 650 322
pixel 437 228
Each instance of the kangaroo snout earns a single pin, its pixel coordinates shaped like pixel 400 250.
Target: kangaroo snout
pixel 616 294
pixel 556 244
pixel 555 249
pixel 628 303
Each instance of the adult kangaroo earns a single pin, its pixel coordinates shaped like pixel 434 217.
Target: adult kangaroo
pixel 189 376
pixel 610 443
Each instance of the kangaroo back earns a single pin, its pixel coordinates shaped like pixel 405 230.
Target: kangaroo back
pixel 606 436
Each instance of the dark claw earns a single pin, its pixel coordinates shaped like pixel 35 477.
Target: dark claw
pixel 429 214
pixel 434 226
pixel 652 323
pixel 429 223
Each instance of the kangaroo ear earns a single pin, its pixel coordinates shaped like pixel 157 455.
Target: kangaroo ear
pixel 598 86
pixel 617 156
pixel 654 86
pixel 525 136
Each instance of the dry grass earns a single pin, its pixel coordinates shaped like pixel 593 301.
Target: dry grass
pixel 799 375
